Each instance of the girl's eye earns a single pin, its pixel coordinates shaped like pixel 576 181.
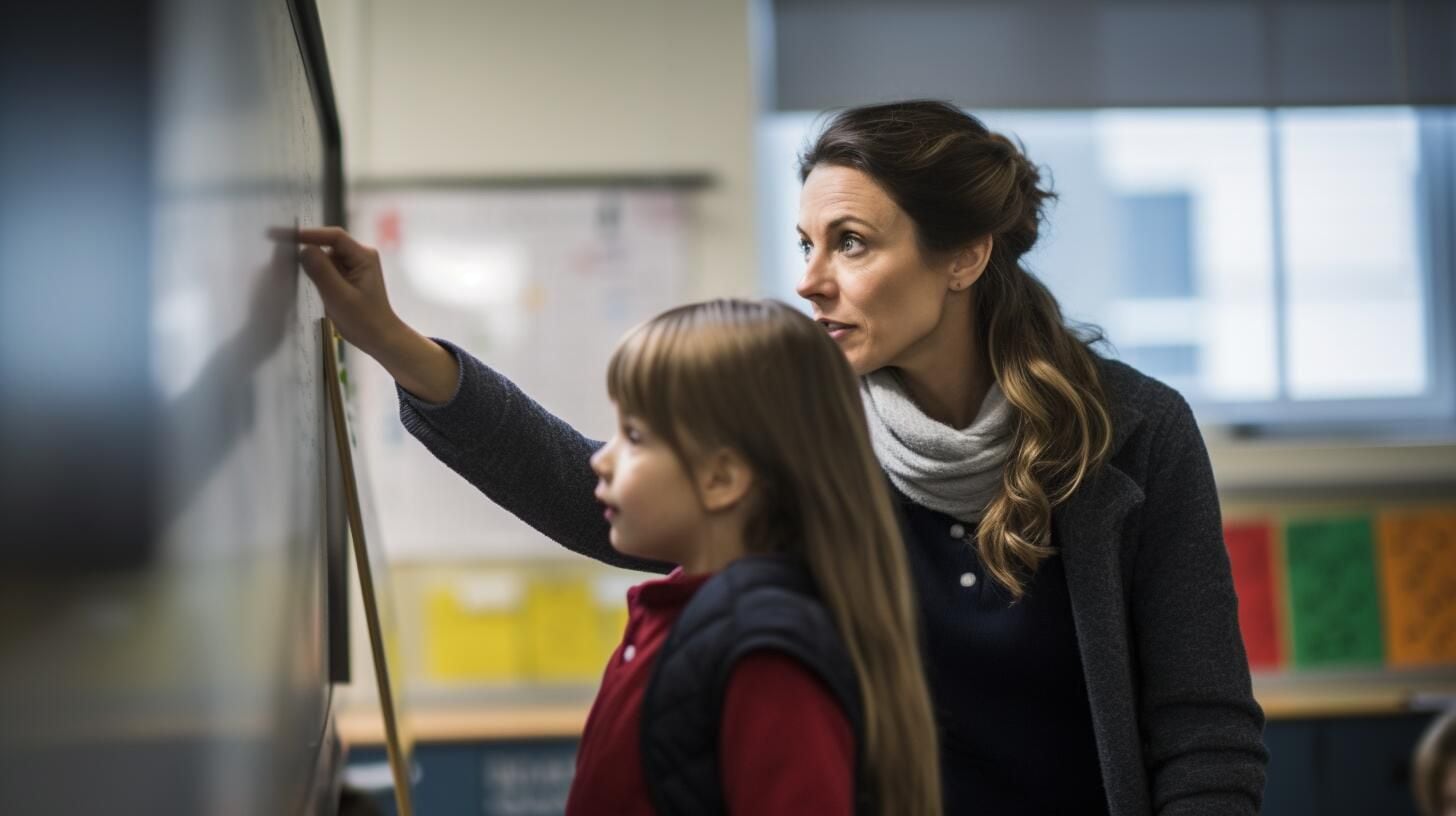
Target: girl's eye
pixel 632 435
pixel 850 244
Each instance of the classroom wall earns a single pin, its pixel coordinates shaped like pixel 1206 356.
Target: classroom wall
pixel 449 88
pixel 557 88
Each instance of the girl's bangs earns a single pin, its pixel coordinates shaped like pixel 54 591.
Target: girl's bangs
pixel 636 372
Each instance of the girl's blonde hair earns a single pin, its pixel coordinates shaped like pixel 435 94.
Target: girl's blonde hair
pixel 762 379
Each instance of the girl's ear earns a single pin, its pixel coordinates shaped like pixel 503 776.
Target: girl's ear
pixel 969 263
pixel 724 479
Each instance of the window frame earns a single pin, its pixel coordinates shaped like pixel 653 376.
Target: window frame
pixel 1428 416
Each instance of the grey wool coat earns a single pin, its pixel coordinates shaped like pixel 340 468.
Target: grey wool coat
pixel 1177 728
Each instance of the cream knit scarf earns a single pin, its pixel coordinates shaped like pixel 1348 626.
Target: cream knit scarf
pixel 955 472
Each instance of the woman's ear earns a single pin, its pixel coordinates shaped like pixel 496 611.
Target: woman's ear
pixel 969 263
pixel 724 480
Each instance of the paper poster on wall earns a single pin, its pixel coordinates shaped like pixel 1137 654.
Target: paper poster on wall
pixel 1418 584
pixel 473 630
pixel 1333 601
pixel 537 283
pixel 1250 547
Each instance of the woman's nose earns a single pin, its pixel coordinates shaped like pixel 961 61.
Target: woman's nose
pixel 817 282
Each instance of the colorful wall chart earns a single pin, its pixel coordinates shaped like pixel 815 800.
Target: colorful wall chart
pixel 1251 555
pixel 1334 604
pixel 1418 584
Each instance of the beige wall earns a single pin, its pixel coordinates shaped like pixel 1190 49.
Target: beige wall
pixel 553 88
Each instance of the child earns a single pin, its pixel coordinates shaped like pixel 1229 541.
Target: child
pixel 1435 768
pixel 776 670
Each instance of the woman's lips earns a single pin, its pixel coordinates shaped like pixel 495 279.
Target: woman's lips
pixel 836 330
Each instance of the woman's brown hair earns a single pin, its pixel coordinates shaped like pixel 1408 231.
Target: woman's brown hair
pixel 764 380
pixel 960 182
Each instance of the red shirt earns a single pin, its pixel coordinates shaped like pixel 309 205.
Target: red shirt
pixel 785 745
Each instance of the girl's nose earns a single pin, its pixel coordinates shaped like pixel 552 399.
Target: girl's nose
pixel 599 461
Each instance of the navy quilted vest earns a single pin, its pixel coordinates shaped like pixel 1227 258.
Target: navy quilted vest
pixel 758 602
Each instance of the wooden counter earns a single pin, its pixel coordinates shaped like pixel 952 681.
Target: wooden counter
pixel 360 725
pixel 485 722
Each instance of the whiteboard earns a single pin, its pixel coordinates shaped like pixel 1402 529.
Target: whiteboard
pixel 161 410
pixel 538 283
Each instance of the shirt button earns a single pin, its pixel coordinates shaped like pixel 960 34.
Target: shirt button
pixel 629 653
pixel 968 579
pixel 957 531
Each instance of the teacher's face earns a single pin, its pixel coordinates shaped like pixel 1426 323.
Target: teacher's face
pixel 870 285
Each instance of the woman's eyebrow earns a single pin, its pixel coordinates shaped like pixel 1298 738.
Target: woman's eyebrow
pixel 839 222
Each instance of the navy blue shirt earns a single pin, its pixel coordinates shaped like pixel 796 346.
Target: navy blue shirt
pixel 1005 679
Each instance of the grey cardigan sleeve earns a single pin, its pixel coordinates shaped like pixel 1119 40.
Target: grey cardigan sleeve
pixel 519 455
pixel 1202 729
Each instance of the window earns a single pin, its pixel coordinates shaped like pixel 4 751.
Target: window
pixel 1277 266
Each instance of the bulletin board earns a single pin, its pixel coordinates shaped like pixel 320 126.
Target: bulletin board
pixel 1351 605
pixel 540 282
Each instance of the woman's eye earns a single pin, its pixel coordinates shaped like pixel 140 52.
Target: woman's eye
pixel 850 244
pixel 805 248
pixel 632 435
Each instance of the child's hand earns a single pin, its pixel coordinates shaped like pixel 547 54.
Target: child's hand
pixel 350 280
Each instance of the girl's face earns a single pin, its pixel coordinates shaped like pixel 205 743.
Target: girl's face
pixel 649 498
pixel 864 272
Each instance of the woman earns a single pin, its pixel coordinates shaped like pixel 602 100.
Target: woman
pixel 1058 508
